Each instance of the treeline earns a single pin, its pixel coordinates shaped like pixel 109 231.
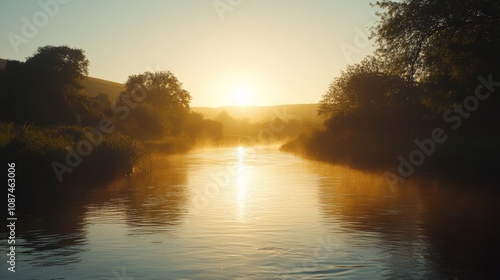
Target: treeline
pixel 426 100
pixel 56 133
pixel 277 129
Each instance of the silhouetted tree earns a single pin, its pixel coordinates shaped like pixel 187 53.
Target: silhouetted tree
pixel 12 84
pixel 224 118
pixel 61 70
pixel 443 44
pixel 103 100
pixel 430 55
pixel 46 88
pixel 199 128
pixel 157 103
pixel 367 97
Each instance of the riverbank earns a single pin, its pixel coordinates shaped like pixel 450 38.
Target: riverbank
pixel 61 155
pixel 457 158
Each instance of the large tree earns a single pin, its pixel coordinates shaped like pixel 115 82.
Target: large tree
pixel 368 97
pixel 158 103
pixel 164 91
pixel 46 89
pixel 441 43
pixel 60 70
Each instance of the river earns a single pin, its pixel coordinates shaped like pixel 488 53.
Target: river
pixel 258 213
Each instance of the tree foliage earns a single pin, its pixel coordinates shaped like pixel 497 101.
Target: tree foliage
pixel 443 44
pixel 162 104
pixel 60 70
pixel 199 128
pixel 164 91
pixel 368 97
pixel 429 56
pixel 430 52
pixel 46 89
pixel 359 88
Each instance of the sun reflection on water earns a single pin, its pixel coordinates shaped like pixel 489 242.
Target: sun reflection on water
pixel 241 184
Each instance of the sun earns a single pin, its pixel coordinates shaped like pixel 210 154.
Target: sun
pixel 242 96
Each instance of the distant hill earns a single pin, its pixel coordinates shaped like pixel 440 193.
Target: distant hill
pixel 94 86
pixel 263 113
pixel 253 113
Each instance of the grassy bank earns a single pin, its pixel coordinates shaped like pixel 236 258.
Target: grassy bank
pixel 474 158
pixel 36 150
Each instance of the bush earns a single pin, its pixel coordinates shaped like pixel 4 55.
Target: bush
pixel 35 149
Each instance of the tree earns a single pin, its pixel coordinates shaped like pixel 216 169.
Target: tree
pixel 368 112
pixel 11 87
pixel 442 44
pixel 60 70
pixel 430 55
pixel 200 129
pixel 46 88
pixel 162 104
pixel 164 91
pixel 367 90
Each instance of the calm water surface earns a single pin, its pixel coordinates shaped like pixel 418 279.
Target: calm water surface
pixel 257 213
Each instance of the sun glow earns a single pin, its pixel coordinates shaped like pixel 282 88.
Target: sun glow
pixel 242 96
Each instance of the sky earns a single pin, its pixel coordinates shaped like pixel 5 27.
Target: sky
pixel 225 52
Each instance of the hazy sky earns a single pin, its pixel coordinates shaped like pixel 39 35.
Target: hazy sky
pixel 255 52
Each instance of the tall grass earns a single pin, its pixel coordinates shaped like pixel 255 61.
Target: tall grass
pixel 34 149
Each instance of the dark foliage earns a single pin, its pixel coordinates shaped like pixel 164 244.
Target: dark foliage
pixel 433 56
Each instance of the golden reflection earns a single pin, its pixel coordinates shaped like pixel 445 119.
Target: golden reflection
pixel 241 184
pixel 157 199
pixel 241 154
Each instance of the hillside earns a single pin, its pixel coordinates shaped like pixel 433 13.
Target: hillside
pixel 94 86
